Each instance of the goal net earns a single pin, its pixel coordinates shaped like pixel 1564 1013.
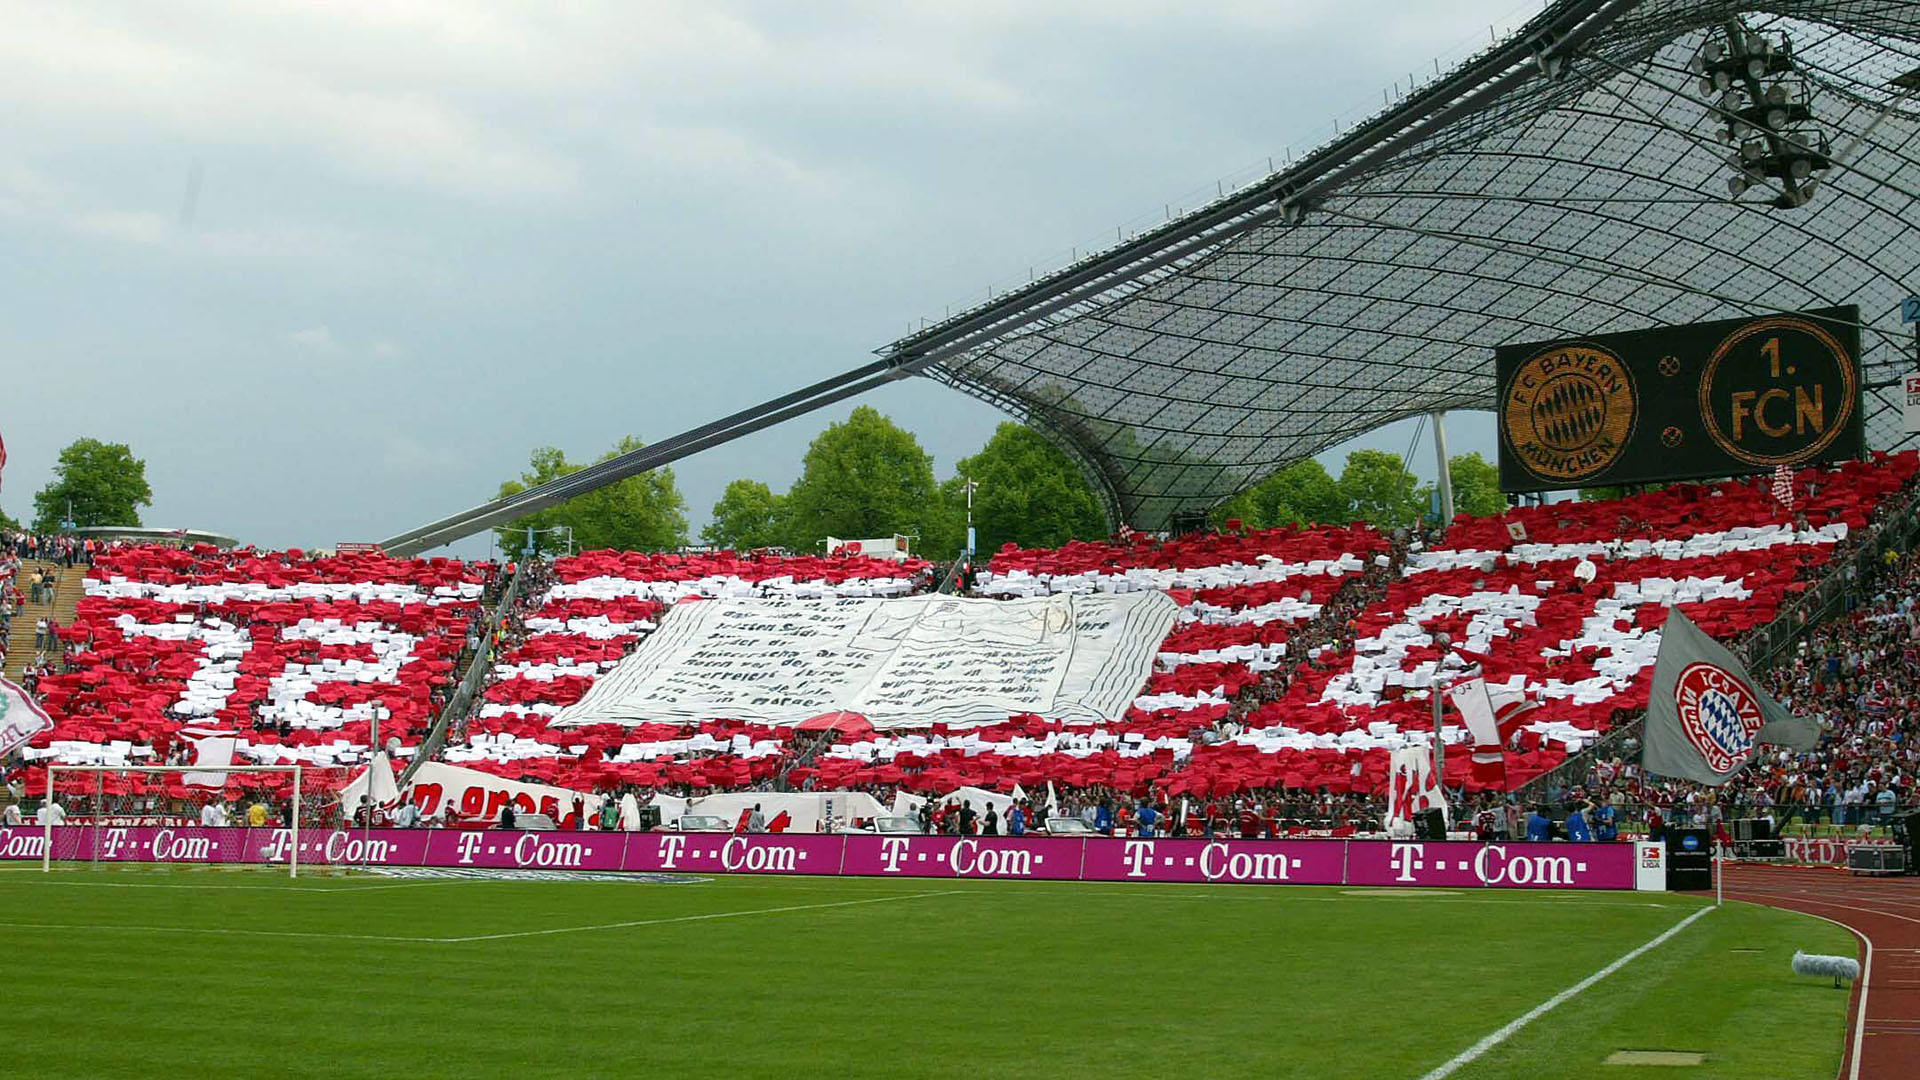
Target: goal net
pixel 236 815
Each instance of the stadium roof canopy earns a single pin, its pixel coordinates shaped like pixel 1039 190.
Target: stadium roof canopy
pixel 1572 179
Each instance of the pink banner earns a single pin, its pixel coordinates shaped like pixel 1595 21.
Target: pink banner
pixel 1266 862
pixel 515 850
pixel 1262 862
pixel 1033 858
pixel 719 853
pixel 1463 864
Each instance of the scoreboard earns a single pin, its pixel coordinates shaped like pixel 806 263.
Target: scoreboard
pixel 1679 403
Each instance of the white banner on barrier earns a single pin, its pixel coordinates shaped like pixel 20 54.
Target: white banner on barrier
pixel 454 794
pixel 901 662
pixel 1911 413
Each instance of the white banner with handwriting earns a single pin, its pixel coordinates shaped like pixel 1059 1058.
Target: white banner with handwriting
pixel 901 662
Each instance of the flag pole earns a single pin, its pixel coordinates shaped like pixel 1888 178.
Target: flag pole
pixel 1440 743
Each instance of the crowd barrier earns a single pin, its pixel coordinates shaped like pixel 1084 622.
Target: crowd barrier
pixel 1452 864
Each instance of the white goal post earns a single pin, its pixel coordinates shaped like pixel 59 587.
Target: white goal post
pixel 293 817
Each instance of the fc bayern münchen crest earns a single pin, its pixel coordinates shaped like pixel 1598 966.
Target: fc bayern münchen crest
pixel 1719 714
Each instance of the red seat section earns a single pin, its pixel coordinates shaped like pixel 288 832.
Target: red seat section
pixel 295 653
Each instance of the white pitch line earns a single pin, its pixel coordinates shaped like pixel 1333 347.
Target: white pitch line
pixel 693 918
pixel 228 931
pixel 223 931
pixel 228 888
pixel 1866 977
pixel 1472 1053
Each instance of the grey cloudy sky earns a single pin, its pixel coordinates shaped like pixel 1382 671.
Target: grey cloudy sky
pixel 430 235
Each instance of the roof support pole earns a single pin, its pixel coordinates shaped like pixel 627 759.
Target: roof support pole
pixel 1445 472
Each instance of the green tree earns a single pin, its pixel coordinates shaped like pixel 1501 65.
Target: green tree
pixel 867 477
pixel 1380 491
pixel 748 515
pixel 7 524
pixel 1030 492
pixel 1618 491
pixel 102 483
pixel 1300 494
pixel 1476 486
pixel 640 513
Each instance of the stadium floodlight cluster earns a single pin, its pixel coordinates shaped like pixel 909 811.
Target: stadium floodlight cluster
pixel 1573 179
pixel 1613 165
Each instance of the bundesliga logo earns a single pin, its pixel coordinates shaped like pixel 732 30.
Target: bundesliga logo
pixel 1718 714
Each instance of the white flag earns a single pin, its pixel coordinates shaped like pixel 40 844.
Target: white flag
pixel 1412 788
pixel 1491 715
pixel 21 721
pixel 212 749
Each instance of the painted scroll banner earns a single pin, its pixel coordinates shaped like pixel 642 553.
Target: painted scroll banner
pixel 902 662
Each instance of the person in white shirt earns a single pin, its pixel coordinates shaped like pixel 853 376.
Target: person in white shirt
pixel 408 816
pixel 11 815
pixel 50 813
pixel 213 815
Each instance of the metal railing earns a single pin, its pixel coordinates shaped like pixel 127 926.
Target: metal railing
pixel 474 682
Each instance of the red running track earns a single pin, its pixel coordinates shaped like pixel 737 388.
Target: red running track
pixel 1883 1027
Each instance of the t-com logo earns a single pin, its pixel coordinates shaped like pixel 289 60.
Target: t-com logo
pixel 1778 391
pixel 530 849
pixel 1493 864
pixel 1218 862
pixel 1568 412
pixel 1719 714
pixel 966 858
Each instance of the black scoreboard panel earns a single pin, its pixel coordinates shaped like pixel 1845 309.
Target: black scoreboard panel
pixel 1681 403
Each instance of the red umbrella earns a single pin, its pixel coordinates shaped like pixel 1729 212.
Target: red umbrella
pixel 849 723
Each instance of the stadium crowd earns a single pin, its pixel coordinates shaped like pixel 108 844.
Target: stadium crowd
pixel 1268 712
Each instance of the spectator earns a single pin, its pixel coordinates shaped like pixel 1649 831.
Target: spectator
pixel 1146 817
pixel 1539 825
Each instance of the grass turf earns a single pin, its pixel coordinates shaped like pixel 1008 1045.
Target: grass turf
pixel 111 973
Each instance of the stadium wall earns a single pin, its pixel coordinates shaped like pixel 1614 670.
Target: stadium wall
pixel 1451 864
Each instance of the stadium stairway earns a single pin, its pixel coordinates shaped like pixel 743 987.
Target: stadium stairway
pixel 66 597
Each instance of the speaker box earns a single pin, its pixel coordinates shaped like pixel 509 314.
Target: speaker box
pixel 1430 825
pixel 649 818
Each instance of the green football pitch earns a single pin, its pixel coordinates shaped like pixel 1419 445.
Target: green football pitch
pixel 234 973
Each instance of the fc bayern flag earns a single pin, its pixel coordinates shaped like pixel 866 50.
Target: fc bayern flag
pixel 21 720
pixel 1705 714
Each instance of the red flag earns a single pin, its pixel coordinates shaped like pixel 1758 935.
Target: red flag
pixel 3 455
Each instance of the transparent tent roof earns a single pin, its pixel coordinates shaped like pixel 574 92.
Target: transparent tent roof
pixel 1576 178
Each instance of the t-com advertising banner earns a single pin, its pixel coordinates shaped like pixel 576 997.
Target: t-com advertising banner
pixel 1677 403
pixel 1463 864
pixel 1223 861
